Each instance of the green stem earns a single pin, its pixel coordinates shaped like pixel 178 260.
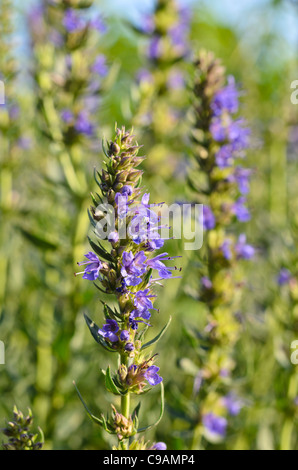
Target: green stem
pixel 125 406
pixel 197 437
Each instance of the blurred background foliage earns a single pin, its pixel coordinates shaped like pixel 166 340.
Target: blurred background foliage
pixel 45 182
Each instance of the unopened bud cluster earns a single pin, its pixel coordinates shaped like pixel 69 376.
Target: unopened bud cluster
pixel 18 433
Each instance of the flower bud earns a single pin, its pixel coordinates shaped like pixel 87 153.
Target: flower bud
pixel 114 149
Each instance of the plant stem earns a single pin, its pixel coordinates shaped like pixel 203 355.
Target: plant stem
pixel 125 406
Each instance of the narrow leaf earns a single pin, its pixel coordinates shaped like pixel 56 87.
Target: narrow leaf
pixel 94 418
pixel 94 332
pixel 100 251
pixel 162 408
pixel 110 384
pixel 157 338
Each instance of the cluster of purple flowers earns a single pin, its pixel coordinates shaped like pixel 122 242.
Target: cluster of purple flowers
pixel 284 277
pixel 177 34
pixel 69 30
pixel 73 22
pixel 221 139
pixel 232 139
pixel 166 43
pixel 129 274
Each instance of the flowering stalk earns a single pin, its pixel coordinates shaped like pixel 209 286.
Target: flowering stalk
pixel 13 142
pixel 70 74
pixel 284 329
pixel 19 434
pixel 160 84
pixel 130 270
pixel 70 78
pixel 221 183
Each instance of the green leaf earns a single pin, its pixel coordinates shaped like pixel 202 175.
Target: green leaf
pixel 162 408
pixel 93 417
pixel 109 313
pixel 157 338
pixel 110 384
pixel 94 332
pixel 100 251
pixel 95 177
pixel 38 240
pixel 93 222
pixel 100 289
pixel 135 413
pixel 104 148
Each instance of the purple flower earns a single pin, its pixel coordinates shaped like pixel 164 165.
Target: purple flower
pixel 14 112
pixel 159 446
pixel 284 276
pixel 233 404
pixel 224 156
pixel 126 189
pixel 109 330
pixel 243 250
pixel 152 376
pixel 72 22
pixel 231 132
pixel 129 347
pixel 176 80
pixel 136 314
pixel 100 66
pixel 241 211
pixel 122 205
pixel 226 99
pixel 83 124
pixel 132 321
pixel 178 35
pixel 67 116
pixel 24 143
pixel 142 300
pixel 147 24
pixel 208 218
pixel 225 373
pixel 218 130
pixel 124 335
pixel 155 48
pixel 93 266
pixel 238 135
pixel 155 244
pixel 198 382
pixel 144 224
pixel 241 176
pixel 226 249
pixel 216 425
pixel 133 267
pixel 113 237
pixel 156 263
pixel 144 76
pixel 206 283
pixel 98 24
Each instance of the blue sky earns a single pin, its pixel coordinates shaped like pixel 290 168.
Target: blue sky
pixel 245 15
